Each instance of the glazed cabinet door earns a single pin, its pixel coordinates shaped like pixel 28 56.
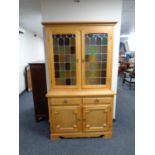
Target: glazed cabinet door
pixel 66 119
pixel 64 58
pixel 96 57
pixel 97 118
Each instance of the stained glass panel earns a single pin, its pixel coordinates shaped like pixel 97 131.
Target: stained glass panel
pixel 64 59
pixel 95 58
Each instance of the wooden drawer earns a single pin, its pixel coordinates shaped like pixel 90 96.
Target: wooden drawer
pixel 97 100
pixel 65 101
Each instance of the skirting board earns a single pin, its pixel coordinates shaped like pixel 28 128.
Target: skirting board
pixel 114 120
pixel 22 92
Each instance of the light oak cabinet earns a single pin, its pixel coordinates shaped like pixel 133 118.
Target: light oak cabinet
pixel 80 99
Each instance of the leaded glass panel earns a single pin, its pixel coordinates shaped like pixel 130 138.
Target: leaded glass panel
pixel 64 59
pixel 96 45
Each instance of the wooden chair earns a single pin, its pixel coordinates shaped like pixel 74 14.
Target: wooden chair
pixel 122 68
pixel 129 77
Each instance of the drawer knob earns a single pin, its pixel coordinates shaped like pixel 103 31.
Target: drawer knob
pixel 74 126
pixel 58 126
pixel 75 112
pixel 96 101
pixel 78 119
pixel 104 125
pixel 87 126
pixel 106 110
pixel 83 60
pixel 65 101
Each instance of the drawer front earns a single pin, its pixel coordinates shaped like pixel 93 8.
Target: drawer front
pixel 97 100
pixel 65 101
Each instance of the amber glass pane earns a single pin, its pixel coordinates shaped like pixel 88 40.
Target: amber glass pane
pixel 64 59
pixel 95 58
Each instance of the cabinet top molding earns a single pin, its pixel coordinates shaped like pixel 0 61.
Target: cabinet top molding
pixel 80 23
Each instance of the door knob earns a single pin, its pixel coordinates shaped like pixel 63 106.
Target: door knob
pixel 58 126
pixel 96 101
pixel 104 125
pixel 83 60
pixel 87 126
pixel 106 110
pixel 65 101
pixel 74 126
pixel 78 119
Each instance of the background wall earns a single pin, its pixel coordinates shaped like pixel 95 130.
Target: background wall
pixel 88 10
pixel 30 49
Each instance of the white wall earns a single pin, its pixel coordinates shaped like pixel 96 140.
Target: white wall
pixel 131 42
pixel 30 49
pixel 87 10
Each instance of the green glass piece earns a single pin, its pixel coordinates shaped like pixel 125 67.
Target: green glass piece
pixel 92 50
pixel 87 49
pixel 73 81
pixel 104 49
pixel 93 41
pixel 104 41
pixel 72 42
pixel 55 42
pixel 67 49
pixel 93 74
pixel 61 49
pixel 92 66
pixel 73 59
pixel 62 74
pixel 62 81
pixel 73 74
pixel 73 66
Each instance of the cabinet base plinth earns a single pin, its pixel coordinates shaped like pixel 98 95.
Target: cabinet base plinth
pixel 56 136
pixel 107 135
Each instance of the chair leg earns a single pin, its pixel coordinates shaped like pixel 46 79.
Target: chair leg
pixel 123 81
pixel 130 86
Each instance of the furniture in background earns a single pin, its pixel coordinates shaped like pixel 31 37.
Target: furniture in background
pixel 129 77
pixel 28 79
pixel 39 90
pixel 80 99
pixel 126 62
pixel 123 66
pixel 121 58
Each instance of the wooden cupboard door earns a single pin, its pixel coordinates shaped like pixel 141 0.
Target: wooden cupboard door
pixel 97 57
pixel 97 118
pixel 64 62
pixel 66 119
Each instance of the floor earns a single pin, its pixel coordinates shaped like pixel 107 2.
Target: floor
pixel 34 137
